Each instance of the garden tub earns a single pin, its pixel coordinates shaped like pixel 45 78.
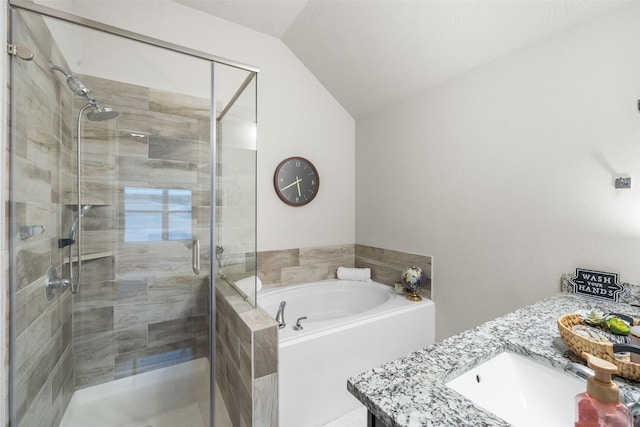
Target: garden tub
pixel 350 327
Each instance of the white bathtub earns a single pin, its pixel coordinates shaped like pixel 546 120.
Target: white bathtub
pixel 350 327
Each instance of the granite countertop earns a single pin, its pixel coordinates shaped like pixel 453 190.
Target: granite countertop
pixel 411 390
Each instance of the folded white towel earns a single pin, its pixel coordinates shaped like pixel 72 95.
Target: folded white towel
pixel 357 274
pixel 248 284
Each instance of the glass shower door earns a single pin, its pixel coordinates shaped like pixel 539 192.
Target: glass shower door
pixel 139 313
pixel 236 163
pixel 41 330
pixel 235 243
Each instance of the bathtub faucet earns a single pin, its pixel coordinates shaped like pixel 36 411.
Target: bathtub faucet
pixel 219 252
pixel 298 326
pixel 280 315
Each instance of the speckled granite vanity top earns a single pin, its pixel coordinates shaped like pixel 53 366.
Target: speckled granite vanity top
pixel 411 391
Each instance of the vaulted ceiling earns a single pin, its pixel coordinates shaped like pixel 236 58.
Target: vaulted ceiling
pixel 373 53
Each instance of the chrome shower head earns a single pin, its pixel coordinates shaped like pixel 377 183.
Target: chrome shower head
pixel 76 85
pixel 99 114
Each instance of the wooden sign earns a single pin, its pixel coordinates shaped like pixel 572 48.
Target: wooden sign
pixel 596 284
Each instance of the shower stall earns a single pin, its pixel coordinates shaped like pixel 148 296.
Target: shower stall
pixel 132 167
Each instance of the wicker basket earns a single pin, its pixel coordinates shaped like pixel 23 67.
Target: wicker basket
pixel 603 350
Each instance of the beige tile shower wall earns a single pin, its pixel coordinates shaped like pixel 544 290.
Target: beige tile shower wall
pixel 42 367
pixel 292 266
pixel 141 307
pixel 246 359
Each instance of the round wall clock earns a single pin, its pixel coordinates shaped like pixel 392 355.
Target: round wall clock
pixel 296 181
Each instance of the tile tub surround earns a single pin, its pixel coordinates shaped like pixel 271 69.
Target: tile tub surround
pixel 387 265
pixel 304 265
pixel 246 359
pixel 411 391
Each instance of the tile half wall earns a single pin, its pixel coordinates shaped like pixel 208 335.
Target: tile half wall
pixel 305 265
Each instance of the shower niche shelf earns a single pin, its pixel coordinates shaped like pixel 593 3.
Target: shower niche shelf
pixel 89 257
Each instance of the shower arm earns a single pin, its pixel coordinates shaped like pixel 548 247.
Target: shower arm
pixel 60 69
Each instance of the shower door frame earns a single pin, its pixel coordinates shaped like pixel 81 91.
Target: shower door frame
pixel 120 32
pixel 213 59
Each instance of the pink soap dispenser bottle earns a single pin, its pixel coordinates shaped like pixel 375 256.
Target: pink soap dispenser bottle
pixel 600 405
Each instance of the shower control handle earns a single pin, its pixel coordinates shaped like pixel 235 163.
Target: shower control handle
pixel 52 282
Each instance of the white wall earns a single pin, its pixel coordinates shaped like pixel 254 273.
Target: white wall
pixel 505 174
pixel 296 115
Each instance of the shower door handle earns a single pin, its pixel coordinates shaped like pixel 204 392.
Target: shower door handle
pixel 195 256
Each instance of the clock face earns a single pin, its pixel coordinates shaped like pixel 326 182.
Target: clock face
pixel 296 181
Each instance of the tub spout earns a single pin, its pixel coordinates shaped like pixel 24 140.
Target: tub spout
pixel 280 315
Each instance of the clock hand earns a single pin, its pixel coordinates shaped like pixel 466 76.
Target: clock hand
pixel 298 184
pixel 292 184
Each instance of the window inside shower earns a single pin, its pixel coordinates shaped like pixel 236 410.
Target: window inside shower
pixel 156 214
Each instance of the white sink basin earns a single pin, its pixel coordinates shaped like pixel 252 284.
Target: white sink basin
pixel 521 391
